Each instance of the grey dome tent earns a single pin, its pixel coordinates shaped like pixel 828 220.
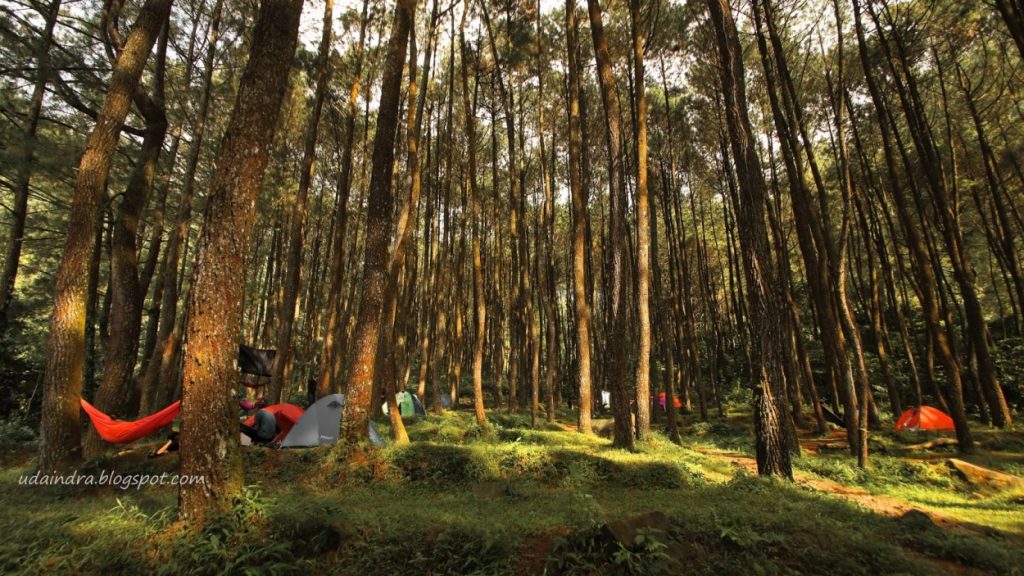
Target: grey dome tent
pixel 321 424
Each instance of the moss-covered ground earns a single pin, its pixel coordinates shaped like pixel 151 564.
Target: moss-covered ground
pixel 516 500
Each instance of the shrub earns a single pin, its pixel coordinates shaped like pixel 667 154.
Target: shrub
pixel 15 434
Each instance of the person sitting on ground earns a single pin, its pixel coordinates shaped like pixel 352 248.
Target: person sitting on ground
pixel 171 445
pixel 263 429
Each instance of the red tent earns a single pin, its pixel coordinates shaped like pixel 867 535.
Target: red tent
pixel 924 418
pixel 285 414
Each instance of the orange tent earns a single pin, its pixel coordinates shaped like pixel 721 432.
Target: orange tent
pixel 285 414
pixel 924 418
pixel 677 402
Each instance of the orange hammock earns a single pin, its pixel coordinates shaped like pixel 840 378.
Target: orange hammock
pixel 122 432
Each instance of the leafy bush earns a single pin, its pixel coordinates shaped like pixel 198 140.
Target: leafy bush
pixel 15 434
pixel 594 551
pixel 470 553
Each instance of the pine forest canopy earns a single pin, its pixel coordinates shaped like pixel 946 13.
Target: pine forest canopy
pixel 806 208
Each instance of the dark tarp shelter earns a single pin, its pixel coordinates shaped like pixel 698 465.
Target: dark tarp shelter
pixel 255 361
pixel 833 417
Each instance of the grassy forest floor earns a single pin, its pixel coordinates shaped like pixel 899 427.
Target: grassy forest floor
pixel 513 500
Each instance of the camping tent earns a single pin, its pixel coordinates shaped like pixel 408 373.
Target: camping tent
pixel 924 418
pixel 409 405
pixel 321 424
pixel 677 402
pixel 286 415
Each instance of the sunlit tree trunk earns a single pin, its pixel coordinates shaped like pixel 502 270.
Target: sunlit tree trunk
pixel 615 275
pixel 114 393
pixel 209 426
pixel 763 301
pixel 643 218
pixel 580 217
pixel 355 420
pixel 333 360
pixel 284 359
pixel 62 384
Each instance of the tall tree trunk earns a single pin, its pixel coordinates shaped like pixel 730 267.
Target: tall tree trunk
pixel 12 257
pixel 615 273
pixel 162 366
pixel 284 360
pixel 333 361
pixel 763 301
pixel 580 218
pixel 643 219
pixel 387 354
pixel 816 243
pixel 62 383
pixel 479 299
pixel 114 393
pixel 209 428
pixel 355 420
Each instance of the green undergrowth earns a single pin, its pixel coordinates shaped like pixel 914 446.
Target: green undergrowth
pixel 502 500
pixel 929 484
pixel 899 469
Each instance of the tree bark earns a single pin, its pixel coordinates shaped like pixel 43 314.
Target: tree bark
pixel 356 416
pixel 615 273
pixel 121 351
pixel 62 384
pixel 763 301
pixel 580 218
pixel 23 177
pixel 333 361
pixel 209 428
pixel 643 231
pixel 284 359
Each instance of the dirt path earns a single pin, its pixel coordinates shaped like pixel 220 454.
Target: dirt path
pixel 884 505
